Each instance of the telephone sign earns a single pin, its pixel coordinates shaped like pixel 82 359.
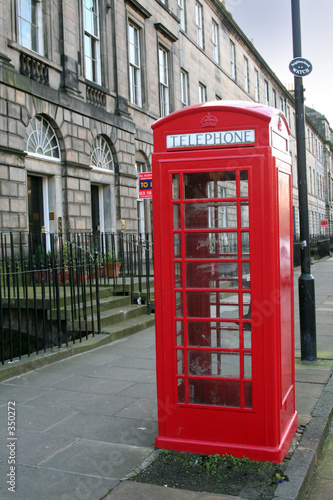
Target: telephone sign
pixel 145 185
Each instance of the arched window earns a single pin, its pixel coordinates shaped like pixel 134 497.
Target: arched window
pixel 101 154
pixel 41 139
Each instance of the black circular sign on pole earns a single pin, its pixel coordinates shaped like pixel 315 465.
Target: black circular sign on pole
pixel 300 67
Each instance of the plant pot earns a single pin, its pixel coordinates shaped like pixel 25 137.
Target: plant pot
pixel 100 272
pixel 61 274
pixel 83 278
pixel 110 267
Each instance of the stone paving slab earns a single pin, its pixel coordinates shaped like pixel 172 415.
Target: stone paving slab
pixel 33 379
pixel 105 405
pixel 125 373
pixel 142 409
pixel 39 483
pixel 67 400
pixel 130 362
pixel 109 429
pixel 322 490
pixel 36 447
pixel 143 390
pixel 93 385
pixel 12 392
pixel 95 458
pixel 322 484
pixel 316 376
pixel 306 397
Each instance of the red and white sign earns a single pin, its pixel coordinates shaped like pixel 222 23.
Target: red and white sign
pixel 145 185
pixel 324 222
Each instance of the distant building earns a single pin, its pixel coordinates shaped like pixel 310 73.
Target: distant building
pixel 81 84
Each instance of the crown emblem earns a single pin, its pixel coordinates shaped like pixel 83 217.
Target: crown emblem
pixel 209 121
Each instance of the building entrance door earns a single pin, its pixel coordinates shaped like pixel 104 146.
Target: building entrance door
pixel 35 207
pixel 95 212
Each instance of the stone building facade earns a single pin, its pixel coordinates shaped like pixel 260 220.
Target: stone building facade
pixel 81 84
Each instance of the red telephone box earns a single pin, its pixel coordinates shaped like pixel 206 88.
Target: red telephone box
pixel 222 211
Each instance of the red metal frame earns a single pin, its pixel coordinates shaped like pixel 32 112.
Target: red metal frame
pixel 225 377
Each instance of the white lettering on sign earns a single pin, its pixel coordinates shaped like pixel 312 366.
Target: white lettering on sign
pixel 223 138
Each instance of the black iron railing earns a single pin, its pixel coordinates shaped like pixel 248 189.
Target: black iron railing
pixel 320 246
pixel 50 285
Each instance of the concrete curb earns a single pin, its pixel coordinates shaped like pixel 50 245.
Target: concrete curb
pixel 305 458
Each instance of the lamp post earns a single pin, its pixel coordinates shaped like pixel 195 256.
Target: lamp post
pixel 307 311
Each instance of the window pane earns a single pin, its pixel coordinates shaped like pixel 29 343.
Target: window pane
pixel 202 93
pixel 163 62
pixel 246 306
pixel 87 17
pixel 180 362
pixel 246 74
pixel 184 87
pixel 246 277
pixel 91 17
pixel 91 41
pixel 248 394
pixel 88 58
pixel 215 392
pixel 244 184
pixel 176 245
pixel 247 365
pixel 175 187
pixel 134 65
pixel 213 334
pixel 41 138
pixel 213 364
pixel 198 20
pixel 25 33
pixel 217 215
pixel 211 275
pixel 244 214
pixel 178 275
pixel 181 391
pixel 245 245
pixel 247 335
pixel 181 14
pixel 180 333
pixel 176 216
pixel 101 155
pixel 212 305
pixel 232 60
pixel 30 26
pixel 215 41
pixel 131 47
pixel 25 9
pixel 164 81
pixel 211 245
pixel 210 185
pixel 179 304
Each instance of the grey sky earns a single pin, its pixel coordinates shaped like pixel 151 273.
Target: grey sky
pixel 268 23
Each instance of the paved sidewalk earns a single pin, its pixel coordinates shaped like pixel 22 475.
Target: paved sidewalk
pixel 322 484
pixel 84 423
